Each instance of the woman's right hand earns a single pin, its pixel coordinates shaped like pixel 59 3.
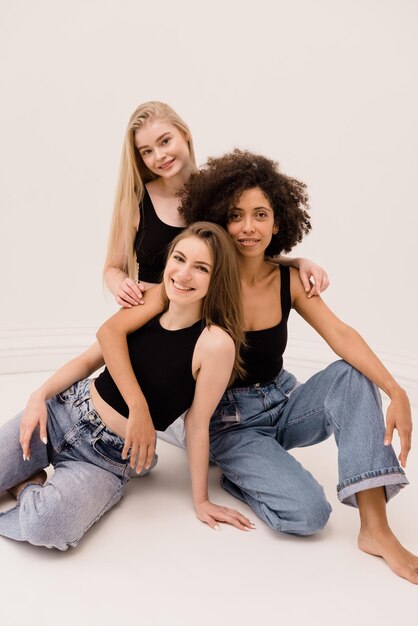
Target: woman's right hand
pixel 140 440
pixel 34 415
pixel 129 293
pixel 211 514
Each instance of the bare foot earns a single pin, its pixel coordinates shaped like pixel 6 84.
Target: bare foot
pixel 382 542
pixel 39 478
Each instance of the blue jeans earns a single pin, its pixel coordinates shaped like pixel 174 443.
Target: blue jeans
pixel 254 427
pixel 89 478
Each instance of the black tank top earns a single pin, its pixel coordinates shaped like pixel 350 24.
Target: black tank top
pixel 151 241
pixel 263 355
pixel 162 363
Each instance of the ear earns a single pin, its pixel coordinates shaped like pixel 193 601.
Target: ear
pixel 275 229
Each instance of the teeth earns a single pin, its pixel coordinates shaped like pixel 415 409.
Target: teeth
pixel 178 286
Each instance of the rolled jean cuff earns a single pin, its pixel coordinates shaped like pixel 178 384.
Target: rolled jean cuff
pixel 393 479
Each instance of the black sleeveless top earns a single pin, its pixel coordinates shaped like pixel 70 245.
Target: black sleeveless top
pixel 162 363
pixel 151 241
pixel 263 355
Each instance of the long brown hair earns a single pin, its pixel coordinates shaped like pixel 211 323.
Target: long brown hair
pixel 222 304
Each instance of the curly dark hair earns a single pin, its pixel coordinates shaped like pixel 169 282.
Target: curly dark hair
pixel 212 191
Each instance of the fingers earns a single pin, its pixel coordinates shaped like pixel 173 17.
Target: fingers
pixel 227 516
pixel 405 447
pixel 318 282
pixel 150 455
pixel 130 292
pixel 24 438
pixel 325 282
pixel 122 303
pixel 126 448
pixel 305 281
pixel 390 425
pixel 42 431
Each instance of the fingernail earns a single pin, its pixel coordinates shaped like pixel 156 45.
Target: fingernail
pixel 45 440
pixel 24 457
pixel 253 525
pixel 386 442
pixel 216 527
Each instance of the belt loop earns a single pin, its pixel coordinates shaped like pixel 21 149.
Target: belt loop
pixel 98 430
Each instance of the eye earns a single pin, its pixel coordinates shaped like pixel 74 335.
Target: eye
pixel 145 152
pixel 165 141
pixel 261 214
pixel 234 216
pixel 178 258
pixel 202 268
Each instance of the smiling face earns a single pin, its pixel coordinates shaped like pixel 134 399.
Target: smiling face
pixel 163 148
pixel 188 271
pixel 251 223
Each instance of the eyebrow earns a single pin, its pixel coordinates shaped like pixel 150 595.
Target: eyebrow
pixel 159 139
pixel 256 208
pixel 184 256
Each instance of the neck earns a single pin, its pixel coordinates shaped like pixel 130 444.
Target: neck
pixel 177 316
pixel 170 186
pixel 251 269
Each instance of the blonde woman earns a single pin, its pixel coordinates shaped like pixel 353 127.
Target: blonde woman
pixel 157 160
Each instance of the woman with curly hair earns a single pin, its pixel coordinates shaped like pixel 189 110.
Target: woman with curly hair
pixel 157 159
pixel 266 412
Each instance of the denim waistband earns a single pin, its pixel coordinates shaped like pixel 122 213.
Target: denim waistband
pixel 284 380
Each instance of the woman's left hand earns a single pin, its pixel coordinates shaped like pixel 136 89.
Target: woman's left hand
pixel 399 416
pixel 211 514
pixel 314 278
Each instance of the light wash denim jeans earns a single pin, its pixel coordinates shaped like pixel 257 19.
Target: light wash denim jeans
pixel 89 478
pixel 254 427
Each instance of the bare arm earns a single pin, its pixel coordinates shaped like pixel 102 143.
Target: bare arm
pixel 112 336
pixel 350 346
pixel 127 292
pixel 216 354
pixel 35 413
pixel 314 278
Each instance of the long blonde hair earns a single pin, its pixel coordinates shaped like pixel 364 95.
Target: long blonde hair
pixel 133 174
pixel 223 303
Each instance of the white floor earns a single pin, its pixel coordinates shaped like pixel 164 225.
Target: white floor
pixel 149 562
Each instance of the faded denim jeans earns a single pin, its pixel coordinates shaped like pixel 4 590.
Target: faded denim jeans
pixel 89 473
pixel 254 427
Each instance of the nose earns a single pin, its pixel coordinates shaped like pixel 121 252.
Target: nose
pixel 160 153
pixel 185 273
pixel 248 224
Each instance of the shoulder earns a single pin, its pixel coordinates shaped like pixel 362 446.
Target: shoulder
pixel 296 286
pixel 215 341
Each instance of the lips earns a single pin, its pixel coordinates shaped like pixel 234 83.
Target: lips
pixel 248 242
pixel 180 287
pixel 167 164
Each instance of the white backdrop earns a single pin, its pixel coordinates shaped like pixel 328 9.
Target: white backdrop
pixel 328 88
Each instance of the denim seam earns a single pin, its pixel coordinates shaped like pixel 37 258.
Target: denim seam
pixel 118 495
pixel 238 480
pixel 299 419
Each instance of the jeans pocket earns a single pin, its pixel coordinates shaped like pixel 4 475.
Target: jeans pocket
pixel 68 394
pixel 109 449
pixel 225 416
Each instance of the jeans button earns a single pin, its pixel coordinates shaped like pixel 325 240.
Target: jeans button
pixel 257 385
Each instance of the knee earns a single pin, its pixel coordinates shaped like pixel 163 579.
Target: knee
pixel 306 517
pixel 313 516
pixel 39 526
